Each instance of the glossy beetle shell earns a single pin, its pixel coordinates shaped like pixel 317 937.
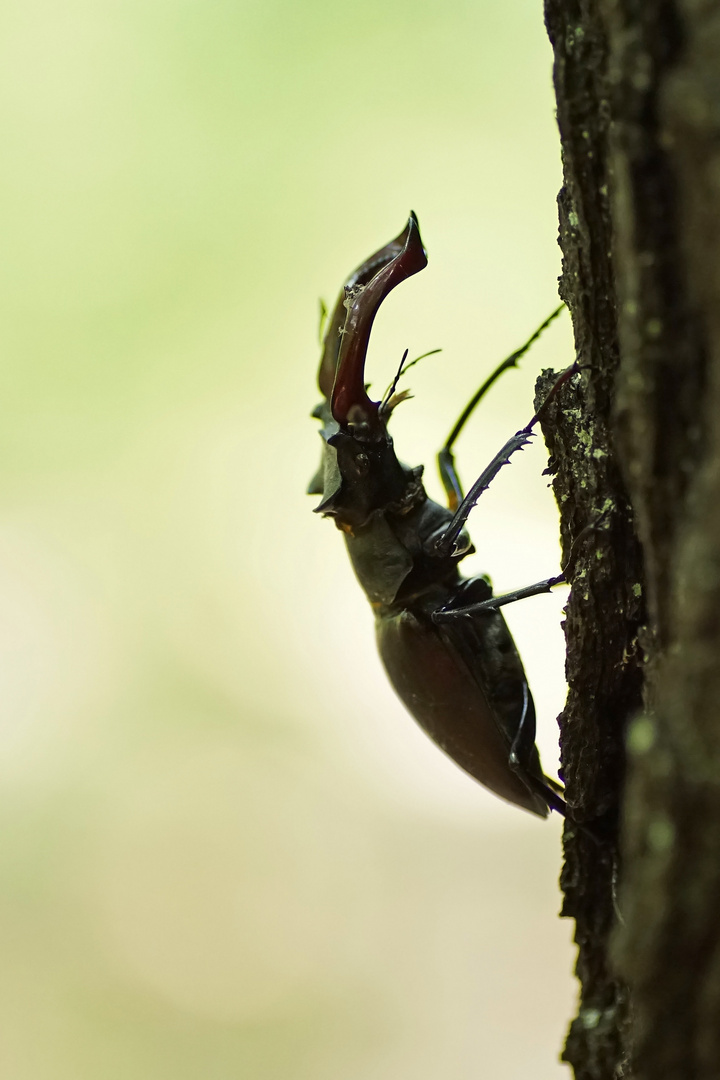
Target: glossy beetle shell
pixel 441 692
pixel 461 678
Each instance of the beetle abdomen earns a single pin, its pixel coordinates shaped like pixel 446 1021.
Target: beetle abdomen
pixel 441 694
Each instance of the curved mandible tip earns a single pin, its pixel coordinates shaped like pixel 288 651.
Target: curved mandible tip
pixel 348 393
pixel 359 277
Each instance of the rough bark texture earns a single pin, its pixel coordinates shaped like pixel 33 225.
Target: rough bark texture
pixel 636 439
pixel 605 608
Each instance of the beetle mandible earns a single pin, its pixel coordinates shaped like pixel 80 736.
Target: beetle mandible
pixel 442 638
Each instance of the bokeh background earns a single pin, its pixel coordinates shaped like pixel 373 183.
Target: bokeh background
pixel 225 850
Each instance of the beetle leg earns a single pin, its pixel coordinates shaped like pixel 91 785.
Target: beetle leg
pixel 444 544
pixel 446 541
pixel 519 760
pixel 550 791
pixel 446 459
pixel 496 602
pixel 545 789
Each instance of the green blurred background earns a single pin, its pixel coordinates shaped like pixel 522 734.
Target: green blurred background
pixel 226 850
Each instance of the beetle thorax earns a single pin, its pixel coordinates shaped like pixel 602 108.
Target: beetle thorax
pixel 362 476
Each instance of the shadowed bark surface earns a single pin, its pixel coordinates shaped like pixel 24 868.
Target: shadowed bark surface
pixel 635 445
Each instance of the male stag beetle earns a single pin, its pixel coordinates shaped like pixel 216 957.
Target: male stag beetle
pixel 444 643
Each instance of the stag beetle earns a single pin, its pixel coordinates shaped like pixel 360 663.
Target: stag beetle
pixel 444 644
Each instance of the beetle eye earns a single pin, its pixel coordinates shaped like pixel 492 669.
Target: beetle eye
pixel 361 464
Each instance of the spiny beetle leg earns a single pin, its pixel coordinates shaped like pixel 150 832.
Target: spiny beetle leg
pixel 496 602
pixel 445 543
pixel 446 459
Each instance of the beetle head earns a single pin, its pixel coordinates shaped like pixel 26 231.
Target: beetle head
pixel 360 472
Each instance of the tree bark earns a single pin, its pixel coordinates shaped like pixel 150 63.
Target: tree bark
pixel 635 450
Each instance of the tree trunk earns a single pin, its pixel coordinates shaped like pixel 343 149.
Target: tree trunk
pixel 635 445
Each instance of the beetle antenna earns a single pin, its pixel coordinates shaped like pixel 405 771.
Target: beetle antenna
pixel 402 369
pixel 406 367
pixel 393 385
